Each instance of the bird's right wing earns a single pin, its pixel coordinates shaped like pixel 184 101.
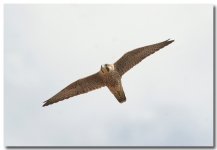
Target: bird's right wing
pixel 132 58
pixel 80 86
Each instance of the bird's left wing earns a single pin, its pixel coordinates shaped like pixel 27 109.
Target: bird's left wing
pixel 131 58
pixel 80 86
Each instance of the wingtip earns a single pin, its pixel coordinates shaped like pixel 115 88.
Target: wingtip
pixel 169 40
pixel 45 103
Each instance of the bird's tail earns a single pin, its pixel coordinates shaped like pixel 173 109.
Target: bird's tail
pixel 118 92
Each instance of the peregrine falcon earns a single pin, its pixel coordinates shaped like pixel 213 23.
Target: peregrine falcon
pixel 109 75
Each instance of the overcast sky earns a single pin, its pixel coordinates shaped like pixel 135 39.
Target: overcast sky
pixel 169 94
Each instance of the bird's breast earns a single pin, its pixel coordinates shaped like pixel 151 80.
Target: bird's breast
pixel 112 79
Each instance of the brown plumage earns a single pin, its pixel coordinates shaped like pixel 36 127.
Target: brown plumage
pixel 78 87
pixel 109 75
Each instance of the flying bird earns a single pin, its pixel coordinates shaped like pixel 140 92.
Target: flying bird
pixel 109 75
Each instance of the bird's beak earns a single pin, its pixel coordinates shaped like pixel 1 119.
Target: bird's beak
pixel 102 69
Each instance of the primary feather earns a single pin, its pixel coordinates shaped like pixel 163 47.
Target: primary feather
pixel 132 58
pixel 78 87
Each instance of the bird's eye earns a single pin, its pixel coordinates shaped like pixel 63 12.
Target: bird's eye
pixel 107 68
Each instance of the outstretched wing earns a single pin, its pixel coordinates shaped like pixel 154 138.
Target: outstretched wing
pixel 80 86
pixel 131 58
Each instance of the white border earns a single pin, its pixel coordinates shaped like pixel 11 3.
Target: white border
pixel 214 2
pixel 111 1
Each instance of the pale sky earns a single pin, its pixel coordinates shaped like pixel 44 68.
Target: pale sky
pixel 169 94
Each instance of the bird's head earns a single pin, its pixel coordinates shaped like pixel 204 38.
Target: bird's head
pixel 106 68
